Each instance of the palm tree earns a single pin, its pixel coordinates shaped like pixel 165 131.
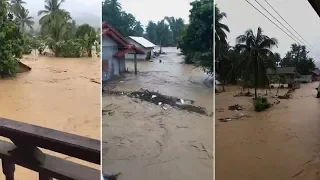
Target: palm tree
pixel 257 48
pixel 16 6
pixel 57 29
pixel 220 29
pixel 51 8
pixel 24 19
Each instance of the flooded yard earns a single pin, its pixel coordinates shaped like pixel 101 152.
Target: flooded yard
pixel 143 140
pixel 280 143
pixel 57 93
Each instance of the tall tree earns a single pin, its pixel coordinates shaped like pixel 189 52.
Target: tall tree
pixel 298 57
pixel 11 42
pixel 197 39
pixel 256 47
pixel 16 6
pixel 24 19
pixel 220 30
pixel 151 32
pixel 51 9
pixel 87 33
pixel 176 26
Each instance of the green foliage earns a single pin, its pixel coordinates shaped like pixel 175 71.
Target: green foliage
pixel 70 48
pixel 27 47
pixel 124 22
pixel 23 18
pixel 88 34
pixel 257 50
pixel 298 57
pixel 196 41
pixel 260 104
pixel 11 40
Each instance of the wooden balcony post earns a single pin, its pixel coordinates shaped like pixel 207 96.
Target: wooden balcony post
pixel 43 176
pixel 8 169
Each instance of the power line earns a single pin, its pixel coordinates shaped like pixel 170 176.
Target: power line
pixel 300 42
pixel 272 22
pixel 290 26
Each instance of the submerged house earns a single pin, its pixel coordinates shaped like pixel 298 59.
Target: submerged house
pixel 316 74
pixel 114 48
pixel 286 75
pixel 143 44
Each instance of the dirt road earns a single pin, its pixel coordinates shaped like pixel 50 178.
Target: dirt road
pixel 57 93
pixel 280 143
pixel 143 141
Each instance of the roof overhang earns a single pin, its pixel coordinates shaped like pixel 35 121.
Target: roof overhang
pixel 315 5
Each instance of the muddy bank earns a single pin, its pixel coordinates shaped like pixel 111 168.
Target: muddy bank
pixel 57 93
pixel 279 143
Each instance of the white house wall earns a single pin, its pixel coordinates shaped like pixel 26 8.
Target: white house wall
pixel 139 56
pixel 109 48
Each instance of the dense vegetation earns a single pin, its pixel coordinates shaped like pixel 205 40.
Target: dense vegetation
pixel 58 33
pixel 246 63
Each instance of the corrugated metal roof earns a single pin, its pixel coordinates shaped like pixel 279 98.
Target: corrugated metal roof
pixel 316 71
pixel 142 41
pixel 304 78
pixel 282 70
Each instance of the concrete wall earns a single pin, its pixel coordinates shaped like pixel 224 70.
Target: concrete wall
pixel 109 48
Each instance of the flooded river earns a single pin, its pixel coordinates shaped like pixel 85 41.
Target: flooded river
pixel 57 93
pixel 144 141
pixel 280 143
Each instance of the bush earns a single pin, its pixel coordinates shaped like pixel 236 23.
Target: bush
pixel 260 104
pixel 70 48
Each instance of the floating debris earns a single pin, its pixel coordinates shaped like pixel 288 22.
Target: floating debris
pixel 235 107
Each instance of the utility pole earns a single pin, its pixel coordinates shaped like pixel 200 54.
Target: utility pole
pixel 135 64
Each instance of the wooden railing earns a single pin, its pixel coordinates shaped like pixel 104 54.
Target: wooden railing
pixel 24 151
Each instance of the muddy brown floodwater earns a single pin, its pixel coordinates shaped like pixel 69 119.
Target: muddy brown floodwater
pixel 57 93
pixel 281 143
pixel 144 141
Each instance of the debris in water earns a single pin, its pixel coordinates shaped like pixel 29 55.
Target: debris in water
pixel 162 99
pixel 247 94
pixel 108 176
pixel 235 107
pixel 94 81
pixel 182 101
pixel 153 96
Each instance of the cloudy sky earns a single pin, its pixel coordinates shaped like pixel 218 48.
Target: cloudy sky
pixel 299 14
pixel 156 10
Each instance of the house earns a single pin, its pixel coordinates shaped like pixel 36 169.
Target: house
pixel 316 74
pixel 304 79
pixel 283 75
pixel 143 44
pixel 114 48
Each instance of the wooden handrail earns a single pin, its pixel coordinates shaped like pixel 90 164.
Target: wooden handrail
pixel 65 143
pixel 24 151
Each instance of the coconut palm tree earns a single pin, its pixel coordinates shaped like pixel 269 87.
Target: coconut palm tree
pixel 256 47
pixel 51 8
pixel 24 19
pixel 16 6
pixel 220 28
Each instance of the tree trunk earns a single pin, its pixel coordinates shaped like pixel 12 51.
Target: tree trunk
pixel 90 53
pixel 255 72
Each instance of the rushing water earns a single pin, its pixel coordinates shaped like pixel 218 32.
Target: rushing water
pixel 57 93
pixel 280 143
pixel 144 141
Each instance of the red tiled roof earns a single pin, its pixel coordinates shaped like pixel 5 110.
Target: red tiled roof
pixel 108 30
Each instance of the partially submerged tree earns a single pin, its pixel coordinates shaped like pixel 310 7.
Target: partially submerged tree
pixel 257 47
pixel 89 35
pixel 11 40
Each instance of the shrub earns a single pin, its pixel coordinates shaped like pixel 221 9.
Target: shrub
pixel 70 48
pixel 260 104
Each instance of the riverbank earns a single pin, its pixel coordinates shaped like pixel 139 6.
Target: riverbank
pixel 279 143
